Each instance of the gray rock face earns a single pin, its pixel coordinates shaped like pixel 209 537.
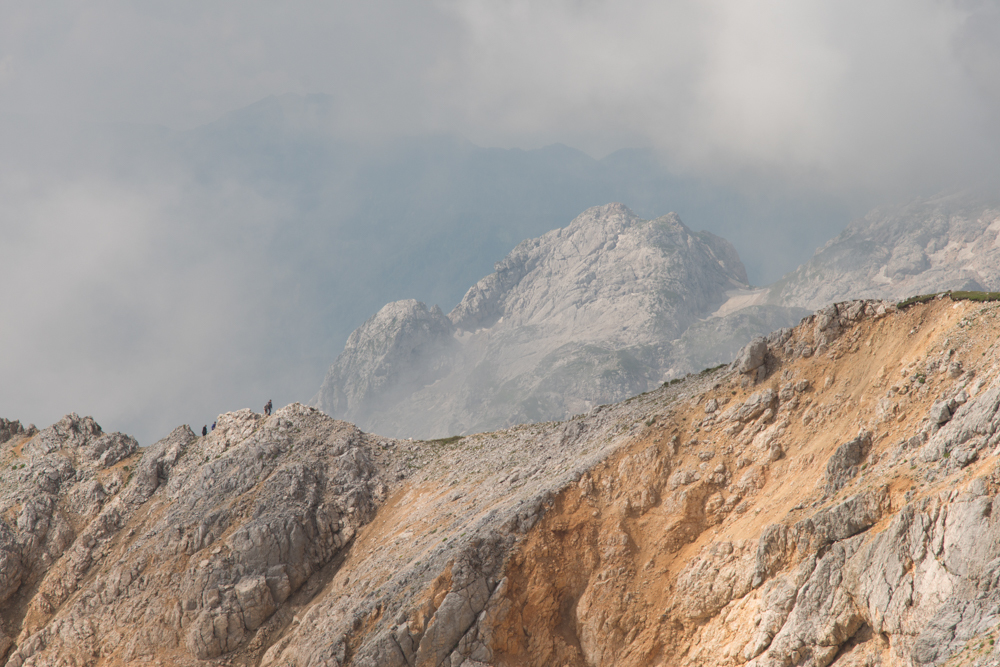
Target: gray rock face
pixel 613 305
pixel 10 429
pixel 584 315
pixel 230 524
pixel 751 357
pixel 946 243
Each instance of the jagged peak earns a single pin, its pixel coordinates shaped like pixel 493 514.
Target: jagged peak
pixel 592 243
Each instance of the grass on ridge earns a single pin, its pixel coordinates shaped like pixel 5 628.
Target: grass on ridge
pixel 954 296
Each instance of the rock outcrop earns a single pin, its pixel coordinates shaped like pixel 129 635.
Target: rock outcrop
pixel 585 315
pixel 403 348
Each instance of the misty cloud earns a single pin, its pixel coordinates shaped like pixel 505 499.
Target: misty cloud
pixel 125 307
pixel 180 243
pixel 863 94
pixel 856 92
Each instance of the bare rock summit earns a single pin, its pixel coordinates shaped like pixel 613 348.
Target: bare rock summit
pixel 581 316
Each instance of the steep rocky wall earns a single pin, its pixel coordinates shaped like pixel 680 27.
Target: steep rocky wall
pixel 827 499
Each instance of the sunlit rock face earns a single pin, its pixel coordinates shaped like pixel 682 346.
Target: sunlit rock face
pixel 607 307
pixel 946 243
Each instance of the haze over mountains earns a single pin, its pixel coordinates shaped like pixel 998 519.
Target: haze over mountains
pixel 588 314
pixel 613 305
pixel 949 242
pixel 212 268
pixel 173 254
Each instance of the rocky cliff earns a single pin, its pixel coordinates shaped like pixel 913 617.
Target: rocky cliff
pixel 948 242
pixel 828 499
pixel 580 316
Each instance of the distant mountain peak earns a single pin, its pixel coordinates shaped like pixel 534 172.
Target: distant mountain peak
pixel 585 314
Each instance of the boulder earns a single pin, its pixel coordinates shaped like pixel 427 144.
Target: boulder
pixel 751 356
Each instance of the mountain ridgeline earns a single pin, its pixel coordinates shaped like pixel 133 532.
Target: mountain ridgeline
pixel 613 305
pixel 580 316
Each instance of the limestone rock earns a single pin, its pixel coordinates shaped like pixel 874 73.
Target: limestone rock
pixel 751 357
pixel 975 423
pixel 940 413
pixel 402 348
pixel 643 532
pixel 230 524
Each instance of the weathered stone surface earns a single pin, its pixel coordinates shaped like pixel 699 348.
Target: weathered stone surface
pixel 612 305
pixel 751 356
pixel 976 423
pixel 646 532
pixel 940 413
pixel 822 619
pixel 228 525
pixel 714 578
pixel 753 407
pixel 401 349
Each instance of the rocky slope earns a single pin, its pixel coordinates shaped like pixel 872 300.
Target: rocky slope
pixel 946 243
pixel 584 315
pixel 829 499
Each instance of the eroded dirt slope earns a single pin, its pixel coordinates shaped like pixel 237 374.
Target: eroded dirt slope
pixel 828 499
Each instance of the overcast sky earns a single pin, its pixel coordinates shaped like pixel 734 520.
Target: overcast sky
pixel 115 278
pixel 852 92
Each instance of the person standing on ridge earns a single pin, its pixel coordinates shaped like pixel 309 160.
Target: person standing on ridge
pixel 213 426
pixel 204 431
pixel 267 408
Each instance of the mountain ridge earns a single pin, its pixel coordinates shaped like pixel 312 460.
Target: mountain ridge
pixel 828 499
pixel 581 315
pixel 948 242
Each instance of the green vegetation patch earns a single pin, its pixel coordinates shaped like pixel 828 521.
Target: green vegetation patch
pixel 974 296
pixel 913 300
pixel 954 296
